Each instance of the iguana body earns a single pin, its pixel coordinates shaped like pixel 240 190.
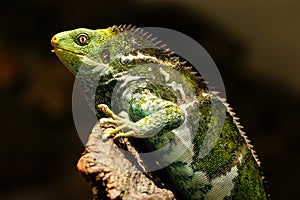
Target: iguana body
pixel 165 102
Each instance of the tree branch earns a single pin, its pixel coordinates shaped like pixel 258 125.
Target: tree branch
pixel 111 174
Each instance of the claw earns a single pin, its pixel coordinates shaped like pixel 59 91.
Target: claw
pixel 105 136
pixel 127 134
pixel 106 110
pixel 116 130
pixel 107 121
pixel 115 133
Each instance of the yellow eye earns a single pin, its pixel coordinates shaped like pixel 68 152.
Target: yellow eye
pixel 82 39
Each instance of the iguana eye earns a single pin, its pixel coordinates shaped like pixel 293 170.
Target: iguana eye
pixel 82 39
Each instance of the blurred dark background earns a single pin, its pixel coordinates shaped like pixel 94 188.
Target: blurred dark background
pixel 255 44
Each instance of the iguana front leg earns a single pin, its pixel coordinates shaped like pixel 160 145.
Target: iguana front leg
pixel 152 115
pixel 124 127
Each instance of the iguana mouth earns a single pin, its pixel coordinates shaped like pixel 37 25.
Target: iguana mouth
pixel 61 49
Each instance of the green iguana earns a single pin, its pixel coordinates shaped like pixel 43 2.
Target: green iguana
pixel 167 105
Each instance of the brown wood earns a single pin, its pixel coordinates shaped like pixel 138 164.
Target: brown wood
pixel 111 175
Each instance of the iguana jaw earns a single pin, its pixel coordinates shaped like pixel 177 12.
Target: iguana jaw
pixel 56 49
pixel 75 61
pixel 72 60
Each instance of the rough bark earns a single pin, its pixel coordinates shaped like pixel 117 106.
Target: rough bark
pixel 112 175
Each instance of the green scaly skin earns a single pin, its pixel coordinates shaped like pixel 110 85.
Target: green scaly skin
pixel 164 111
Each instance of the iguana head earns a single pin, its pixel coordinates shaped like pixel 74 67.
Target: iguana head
pixel 83 46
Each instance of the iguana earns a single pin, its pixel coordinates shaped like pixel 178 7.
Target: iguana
pixel 164 103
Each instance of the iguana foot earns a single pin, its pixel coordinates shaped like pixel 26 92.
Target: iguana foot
pixel 123 126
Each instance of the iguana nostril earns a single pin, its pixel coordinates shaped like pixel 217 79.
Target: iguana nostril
pixel 54 40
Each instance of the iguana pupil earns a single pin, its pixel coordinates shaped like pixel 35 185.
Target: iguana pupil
pixel 82 39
